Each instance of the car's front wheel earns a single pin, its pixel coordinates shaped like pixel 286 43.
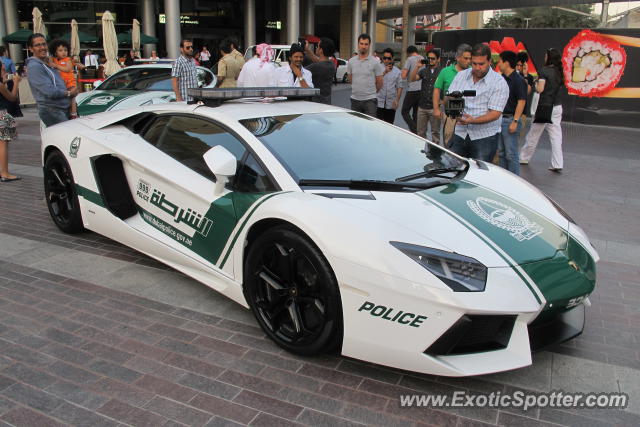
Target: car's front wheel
pixel 60 193
pixel 293 293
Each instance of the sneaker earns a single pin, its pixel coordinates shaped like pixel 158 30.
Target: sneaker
pixel 524 162
pixel 556 170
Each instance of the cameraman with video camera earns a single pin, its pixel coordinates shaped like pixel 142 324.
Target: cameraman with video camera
pixel 476 133
pixel 441 86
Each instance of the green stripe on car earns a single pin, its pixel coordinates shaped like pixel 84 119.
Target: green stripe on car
pixel 527 280
pixel 552 263
pixel 89 195
pixel 244 223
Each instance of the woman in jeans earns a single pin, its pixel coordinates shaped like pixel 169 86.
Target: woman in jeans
pixel 550 82
pixel 7 123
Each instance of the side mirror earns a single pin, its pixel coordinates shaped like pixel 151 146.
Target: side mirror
pixel 222 163
pixel 97 83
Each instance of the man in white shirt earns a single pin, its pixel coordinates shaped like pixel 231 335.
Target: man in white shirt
pixel 293 74
pixel 90 59
pixel 258 71
pixel 476 133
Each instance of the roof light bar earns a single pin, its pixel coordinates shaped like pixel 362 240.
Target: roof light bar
pixel 211 96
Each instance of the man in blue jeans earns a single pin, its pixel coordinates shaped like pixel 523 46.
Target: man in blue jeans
pixel 51 94
pixel 508 149
pixel 476 133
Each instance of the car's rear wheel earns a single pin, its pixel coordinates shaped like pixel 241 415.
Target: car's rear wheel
pixel 60 193
pixel 293 293
pixel 344 78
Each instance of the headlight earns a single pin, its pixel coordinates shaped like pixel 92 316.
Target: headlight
pixel 459 272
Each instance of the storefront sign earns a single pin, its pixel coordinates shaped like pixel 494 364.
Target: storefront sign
pixel 184 19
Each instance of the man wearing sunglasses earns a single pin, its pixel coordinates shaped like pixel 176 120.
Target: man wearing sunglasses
pixel 184 74
pixel 428 73
pixel 390 93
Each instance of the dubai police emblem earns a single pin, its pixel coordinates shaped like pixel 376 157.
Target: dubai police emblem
pixel 101 100
pixel 74 147
pixel 505 217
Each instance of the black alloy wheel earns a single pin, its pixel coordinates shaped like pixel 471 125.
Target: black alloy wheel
pixel 293 293
pixel 60 193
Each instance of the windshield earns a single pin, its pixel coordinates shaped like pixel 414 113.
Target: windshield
pixel 139 79
pixel 346 146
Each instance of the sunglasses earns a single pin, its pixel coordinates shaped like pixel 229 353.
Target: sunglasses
pixel 39 45
pixel 386 58
pixel 431 58
pixel 188 47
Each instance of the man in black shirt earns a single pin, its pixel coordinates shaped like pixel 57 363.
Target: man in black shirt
pixel 522 67
pixel 323 69
pixel 428 74
pixel 508 148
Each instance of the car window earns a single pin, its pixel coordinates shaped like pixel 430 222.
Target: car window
pixel 187 138
pixel 344 146
pixel 139 79
pixel 156 130
pixel 204 77
pixel 252 178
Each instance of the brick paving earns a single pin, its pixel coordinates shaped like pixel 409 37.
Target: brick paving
pixel 76 352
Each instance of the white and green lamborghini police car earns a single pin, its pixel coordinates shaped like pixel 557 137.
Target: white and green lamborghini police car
pixel 340 232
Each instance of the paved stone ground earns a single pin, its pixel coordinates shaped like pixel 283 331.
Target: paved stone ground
pixel 93 333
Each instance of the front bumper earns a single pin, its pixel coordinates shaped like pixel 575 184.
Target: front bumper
pixel 544 332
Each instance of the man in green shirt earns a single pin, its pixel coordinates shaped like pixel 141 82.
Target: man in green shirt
pixel 441 86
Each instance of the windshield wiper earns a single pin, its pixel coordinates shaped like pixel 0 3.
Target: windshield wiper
pixel 367 184
pixel 436 172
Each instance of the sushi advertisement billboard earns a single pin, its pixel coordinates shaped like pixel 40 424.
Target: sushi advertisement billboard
pixel 601 67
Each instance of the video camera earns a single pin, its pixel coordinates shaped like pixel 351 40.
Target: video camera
pixel 455 103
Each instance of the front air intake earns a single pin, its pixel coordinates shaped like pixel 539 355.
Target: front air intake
pixel 474 334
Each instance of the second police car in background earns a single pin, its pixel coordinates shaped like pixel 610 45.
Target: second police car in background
pixel 135 86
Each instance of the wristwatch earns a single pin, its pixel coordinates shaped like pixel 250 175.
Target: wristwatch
pixel 301 79
pixel 516 120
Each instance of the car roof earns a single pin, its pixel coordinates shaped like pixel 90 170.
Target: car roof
pixel 163 65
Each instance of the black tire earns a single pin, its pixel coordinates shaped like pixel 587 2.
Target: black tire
pixel 344 78
pixel 293 292
pixel 60 193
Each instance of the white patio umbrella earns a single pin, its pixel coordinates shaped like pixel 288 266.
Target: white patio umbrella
pixel 75 39
pixel 38 25
pixel 110 44
pixel 135 37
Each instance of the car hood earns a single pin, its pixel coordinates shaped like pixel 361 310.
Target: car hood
pixel 470 219
pixel 98 101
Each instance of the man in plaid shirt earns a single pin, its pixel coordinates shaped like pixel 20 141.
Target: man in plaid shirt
pixel 476 133
pixel 184 74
